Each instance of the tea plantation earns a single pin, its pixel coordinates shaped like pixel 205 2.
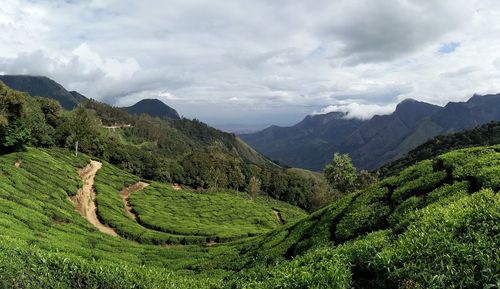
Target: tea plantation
pixel 435 225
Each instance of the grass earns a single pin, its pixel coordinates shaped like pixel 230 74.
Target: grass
pixel 111 210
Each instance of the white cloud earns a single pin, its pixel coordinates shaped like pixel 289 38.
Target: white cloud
pixel 167 95
pixel 111 67
pixel 360 111
pixel 270 56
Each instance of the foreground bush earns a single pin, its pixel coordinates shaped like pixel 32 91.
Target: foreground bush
pixel 451 246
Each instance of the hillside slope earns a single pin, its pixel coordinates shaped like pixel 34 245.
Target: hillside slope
pixel 183 151
pixel 435 225
pixel 43 230
pixel 487 134
pixel 311 143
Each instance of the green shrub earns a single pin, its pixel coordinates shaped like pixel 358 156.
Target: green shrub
pixel 450 246
pixel 404 213
pixel 320 268
pixel 365 214
pixel 419 186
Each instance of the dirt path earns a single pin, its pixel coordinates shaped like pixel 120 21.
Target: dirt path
pixel 125 194
pixel 277 215
pixel 85 199
pixel 116 126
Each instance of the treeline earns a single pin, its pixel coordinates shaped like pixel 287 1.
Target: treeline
pixel 484 135
pixel 37 121
pixel 184 151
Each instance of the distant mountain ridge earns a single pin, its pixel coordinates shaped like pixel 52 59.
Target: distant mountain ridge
pixel 153 107
pixel 46 87
pixel 43 86
pixel 311 143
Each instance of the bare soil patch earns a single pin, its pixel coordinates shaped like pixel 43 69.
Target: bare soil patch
pixel 125 194
pixel 85 199
pixel 277 215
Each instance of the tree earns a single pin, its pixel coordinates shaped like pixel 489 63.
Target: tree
pixel 340 173
pixel 14 129
pixel 253 188
pixel 82 127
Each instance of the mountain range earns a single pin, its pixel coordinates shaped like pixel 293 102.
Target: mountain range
pixel 312 142
pixel 46 87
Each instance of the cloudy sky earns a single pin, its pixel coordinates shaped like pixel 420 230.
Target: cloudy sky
pixel 258 62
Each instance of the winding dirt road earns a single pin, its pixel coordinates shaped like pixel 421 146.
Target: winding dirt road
pixel 85 199
pixel 125 194
pixel 277 215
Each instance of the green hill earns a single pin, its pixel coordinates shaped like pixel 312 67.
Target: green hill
pixel 434 225
pixel 153 107
pixel 41 226
pixel 487 134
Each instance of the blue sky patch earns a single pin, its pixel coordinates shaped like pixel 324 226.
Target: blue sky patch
pixel 449 47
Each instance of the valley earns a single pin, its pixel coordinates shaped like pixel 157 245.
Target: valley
pixel 41 227
pixel 153 202
pixel 249 144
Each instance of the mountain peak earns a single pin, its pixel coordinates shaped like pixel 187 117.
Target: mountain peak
pixel 152 101
pixel 411 111
pixel 410 104
pixel 153 107
pixel 409 100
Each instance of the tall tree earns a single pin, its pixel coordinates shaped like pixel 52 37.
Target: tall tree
pixel 82 127
pixel 253 188
pixel 14 129
pixel 341 173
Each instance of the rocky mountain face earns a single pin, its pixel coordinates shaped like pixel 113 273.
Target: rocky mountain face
pixel 312 142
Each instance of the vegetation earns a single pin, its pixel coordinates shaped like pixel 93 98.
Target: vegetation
pixel 374 238
pixel 343 177
pixel 169 216
pixel 484 135
pixel 219 216
pixel 341 174
pixel 193 154
pixel 388 235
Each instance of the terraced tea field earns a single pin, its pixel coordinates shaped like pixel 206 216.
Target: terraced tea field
pixel 219 215
pixel 436 224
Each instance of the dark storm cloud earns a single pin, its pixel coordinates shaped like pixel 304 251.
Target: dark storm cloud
pixel 386 29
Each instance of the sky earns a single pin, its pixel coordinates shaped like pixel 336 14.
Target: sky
pixel 261 62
